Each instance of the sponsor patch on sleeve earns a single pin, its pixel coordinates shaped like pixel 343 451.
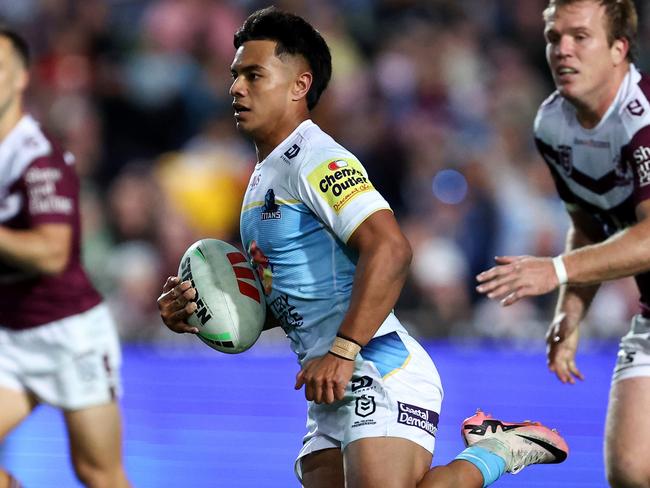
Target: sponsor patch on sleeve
pixel 43 190
pixel 339 181
pixel 642 161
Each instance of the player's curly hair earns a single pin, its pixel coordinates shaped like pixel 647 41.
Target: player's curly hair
pixel 622 20
pixel 18 43
pixel 295 36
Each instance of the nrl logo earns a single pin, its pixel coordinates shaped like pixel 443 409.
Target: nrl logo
pixel 365 405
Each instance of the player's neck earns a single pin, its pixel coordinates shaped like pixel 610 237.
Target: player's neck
pixel 9 118
pixel 266 142
pixel 590 111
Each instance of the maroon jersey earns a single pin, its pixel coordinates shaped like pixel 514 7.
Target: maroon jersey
pixel 39 185
pixel 605 170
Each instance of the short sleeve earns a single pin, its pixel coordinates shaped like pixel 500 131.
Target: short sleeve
pixel 339 191
pixel 51 189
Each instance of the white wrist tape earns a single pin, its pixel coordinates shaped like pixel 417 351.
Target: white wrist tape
pixel 560 270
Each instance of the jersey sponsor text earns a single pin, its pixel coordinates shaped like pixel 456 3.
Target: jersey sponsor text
pixel 421 418
pixel 339 182
pixel 642 160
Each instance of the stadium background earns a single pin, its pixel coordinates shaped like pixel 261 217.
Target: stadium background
pixel 437 99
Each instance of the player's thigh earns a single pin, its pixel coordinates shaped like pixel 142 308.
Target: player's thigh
pixel 625 449
pixel 95 435
pixel 389 462
pixel 323 469
pixel 15 406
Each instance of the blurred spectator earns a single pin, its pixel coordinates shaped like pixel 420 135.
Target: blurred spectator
pixel 133 267
pixel 440 273
pixel 206 188
pixel 133 204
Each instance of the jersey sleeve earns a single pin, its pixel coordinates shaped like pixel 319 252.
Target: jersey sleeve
pixel 338 190
pixel 51 189
pixel 638 154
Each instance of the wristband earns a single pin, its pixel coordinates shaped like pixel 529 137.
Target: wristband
pixel 560 270
pixel 345 348
pixel 339 356
pixel 338 334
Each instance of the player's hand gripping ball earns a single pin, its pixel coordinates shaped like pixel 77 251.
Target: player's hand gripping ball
pixel 231 310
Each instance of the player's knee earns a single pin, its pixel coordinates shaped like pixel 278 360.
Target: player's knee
pixel 626 473
pixel 92 475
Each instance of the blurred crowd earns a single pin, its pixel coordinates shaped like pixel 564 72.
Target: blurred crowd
pixel 436 98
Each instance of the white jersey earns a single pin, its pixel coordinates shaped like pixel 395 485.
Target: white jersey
pixel 302 204
pixel 605 170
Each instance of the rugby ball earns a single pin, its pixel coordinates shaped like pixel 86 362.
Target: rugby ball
pixel 231 309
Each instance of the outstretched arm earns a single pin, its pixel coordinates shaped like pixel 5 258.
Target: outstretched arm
pixel 384 258
pixel 572 305
pixel 624 254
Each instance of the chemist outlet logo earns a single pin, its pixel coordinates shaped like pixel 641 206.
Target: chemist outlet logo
pixel 339 181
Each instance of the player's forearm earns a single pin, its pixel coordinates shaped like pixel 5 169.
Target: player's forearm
pixel 624 254
pixel 38 250
pixel 379 277
pixel 574 301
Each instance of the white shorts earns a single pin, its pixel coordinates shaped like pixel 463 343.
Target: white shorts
pixel 72 363
pixel 395 392
pixel 634 351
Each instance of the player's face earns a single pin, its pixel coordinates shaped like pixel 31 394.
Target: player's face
pixel 262 88
pixel 578 52
pixel 13 77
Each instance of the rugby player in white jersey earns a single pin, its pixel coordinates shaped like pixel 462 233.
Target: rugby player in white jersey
pixel 58 343
pixel 594 134
pixel 333 260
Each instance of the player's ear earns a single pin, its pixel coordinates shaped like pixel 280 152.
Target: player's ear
pixel 619 50
pixel 302 85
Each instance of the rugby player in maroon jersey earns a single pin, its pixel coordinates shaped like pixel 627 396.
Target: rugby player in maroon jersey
pixel 594 135
pixel 58 342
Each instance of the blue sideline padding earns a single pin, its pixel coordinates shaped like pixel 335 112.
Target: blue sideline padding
pixel 195 417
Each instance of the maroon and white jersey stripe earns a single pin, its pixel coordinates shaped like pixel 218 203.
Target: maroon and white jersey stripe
pixel 39 185
pixel 605 170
